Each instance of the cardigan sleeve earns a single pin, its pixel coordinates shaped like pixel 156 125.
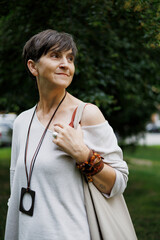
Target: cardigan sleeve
pixel 102 139
pixel 14 154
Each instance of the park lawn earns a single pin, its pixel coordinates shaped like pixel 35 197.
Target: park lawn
pixel 5 154
pixel 142 194
pixel 4 183
pixel 143 152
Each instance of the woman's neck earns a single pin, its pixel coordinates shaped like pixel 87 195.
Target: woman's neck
pixel 49 100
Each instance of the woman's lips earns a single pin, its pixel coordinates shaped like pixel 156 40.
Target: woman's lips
pixel 65 74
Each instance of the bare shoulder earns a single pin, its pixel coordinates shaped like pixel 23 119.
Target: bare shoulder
pixel 92 115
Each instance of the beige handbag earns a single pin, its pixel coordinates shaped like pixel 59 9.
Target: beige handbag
pixel 108 219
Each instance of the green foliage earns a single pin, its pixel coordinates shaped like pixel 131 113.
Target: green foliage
pixel 115 68
pixel 149 19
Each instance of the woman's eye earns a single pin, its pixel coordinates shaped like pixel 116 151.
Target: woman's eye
pixel 71 59
pixel 54 55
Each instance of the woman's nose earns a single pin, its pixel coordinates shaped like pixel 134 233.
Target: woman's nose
pixel 64 63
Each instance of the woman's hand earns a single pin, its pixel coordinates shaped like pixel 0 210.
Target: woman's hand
pixel 71 141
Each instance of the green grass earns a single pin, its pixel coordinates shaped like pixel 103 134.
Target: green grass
pixel 5 154
pixel 143 152
pixel 142 194
pixel 4 183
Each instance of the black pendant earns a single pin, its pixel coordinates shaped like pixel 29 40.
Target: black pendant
pixel 21 207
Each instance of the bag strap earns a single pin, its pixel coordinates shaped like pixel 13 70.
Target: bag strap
pixel 91 212
pixel 88 201
pixel 78 114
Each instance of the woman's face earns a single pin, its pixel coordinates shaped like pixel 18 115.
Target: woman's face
pixel 55 68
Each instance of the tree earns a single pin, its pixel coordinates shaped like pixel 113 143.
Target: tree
pixel 117 65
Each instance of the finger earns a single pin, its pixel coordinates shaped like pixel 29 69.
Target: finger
pixel 58 129
pixel 55 134
pixel 79 128
pixel 59 124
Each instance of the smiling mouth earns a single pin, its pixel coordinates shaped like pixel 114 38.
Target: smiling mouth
pixel 64 74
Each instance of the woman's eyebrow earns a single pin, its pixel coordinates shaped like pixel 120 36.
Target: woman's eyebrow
pixel 55 51
pixel 60 52
pixel 70 54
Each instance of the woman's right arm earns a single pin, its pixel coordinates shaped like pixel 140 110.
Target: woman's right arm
pixel 14 155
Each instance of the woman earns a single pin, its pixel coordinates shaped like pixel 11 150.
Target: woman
pixel 49 154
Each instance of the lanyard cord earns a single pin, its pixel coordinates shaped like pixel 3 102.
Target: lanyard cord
pixel 39 144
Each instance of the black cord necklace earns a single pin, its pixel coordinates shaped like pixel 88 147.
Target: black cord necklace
pixel 28 176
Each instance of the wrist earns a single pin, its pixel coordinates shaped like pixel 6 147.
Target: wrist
pixel 82 155
pixel 92 166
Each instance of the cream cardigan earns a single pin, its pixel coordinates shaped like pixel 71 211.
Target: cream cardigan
pixel 59 203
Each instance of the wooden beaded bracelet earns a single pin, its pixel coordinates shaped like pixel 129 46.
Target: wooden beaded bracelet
pixel 92 166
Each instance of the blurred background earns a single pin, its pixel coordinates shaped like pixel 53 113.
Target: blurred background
pixel 117 68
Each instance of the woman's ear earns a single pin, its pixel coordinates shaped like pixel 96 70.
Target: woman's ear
pixel 32 67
